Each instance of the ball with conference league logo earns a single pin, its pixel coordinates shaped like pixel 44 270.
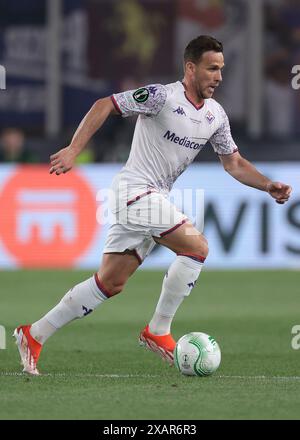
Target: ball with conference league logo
pixel 141 95
pixel 197 354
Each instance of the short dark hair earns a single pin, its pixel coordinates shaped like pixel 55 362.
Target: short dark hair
pixel 196 48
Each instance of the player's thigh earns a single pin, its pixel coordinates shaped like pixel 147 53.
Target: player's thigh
pixel 117 267
pixel 185 239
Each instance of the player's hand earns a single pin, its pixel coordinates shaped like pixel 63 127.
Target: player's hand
pixel 62 161
pixel 279 191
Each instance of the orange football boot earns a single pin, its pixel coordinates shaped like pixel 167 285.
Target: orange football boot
pixel 29 349
pixel 163 345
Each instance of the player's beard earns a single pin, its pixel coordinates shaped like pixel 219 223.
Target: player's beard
pixel 201 92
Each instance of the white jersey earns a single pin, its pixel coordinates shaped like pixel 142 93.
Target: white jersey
pixel 169 133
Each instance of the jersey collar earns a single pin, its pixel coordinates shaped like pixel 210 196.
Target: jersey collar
pixel 196 106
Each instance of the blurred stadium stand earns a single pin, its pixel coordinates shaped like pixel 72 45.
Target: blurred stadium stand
pixel 62 55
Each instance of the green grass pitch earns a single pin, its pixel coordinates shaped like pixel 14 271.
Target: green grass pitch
pixel 94 368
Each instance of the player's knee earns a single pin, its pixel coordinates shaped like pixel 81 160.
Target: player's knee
pixel 116 288
pixel 113 286
pixel 204 247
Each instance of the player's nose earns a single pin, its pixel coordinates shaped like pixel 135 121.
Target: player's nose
pixel 218 76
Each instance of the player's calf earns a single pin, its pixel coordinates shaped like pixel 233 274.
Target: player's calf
pixel 181 277
pixel 178 283
pixel 85 297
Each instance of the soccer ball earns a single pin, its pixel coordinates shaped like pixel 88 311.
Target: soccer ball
pixel 197 354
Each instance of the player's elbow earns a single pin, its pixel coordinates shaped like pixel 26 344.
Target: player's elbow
pixel 104 105
pixel 232 166
pixel 231 162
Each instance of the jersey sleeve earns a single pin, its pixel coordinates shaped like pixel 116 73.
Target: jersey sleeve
pixel 148 100
pixel 221 140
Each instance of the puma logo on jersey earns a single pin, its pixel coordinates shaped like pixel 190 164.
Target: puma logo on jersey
pixel 180 111
pixel 191 285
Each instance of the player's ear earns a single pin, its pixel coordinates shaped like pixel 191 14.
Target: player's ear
pixel 190 67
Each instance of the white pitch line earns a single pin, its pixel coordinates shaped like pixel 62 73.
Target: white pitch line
pixel 260 377
pixel 118 376
pixel 144 376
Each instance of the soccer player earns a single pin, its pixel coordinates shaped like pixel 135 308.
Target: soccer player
pixel 175 122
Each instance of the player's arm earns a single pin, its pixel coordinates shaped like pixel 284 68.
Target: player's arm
pixel 64 159
pixel 240 168
pixel 246 173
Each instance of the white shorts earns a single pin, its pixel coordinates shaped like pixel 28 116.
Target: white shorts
pixel 134 226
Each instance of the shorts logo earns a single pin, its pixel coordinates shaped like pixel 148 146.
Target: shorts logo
pixel 141 95
pixel 209 116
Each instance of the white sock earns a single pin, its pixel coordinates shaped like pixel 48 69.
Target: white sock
pixel 42 330
pixel 78 302
pixel 178 283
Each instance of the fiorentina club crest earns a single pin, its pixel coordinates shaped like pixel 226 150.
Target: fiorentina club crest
pixel 209 116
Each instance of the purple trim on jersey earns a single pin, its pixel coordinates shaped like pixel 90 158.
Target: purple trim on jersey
pixel 162 234
pixel 116 105
pixel 227 154
pixel 140 196
pixel 197 107
pixel 101 287
pixel 193 257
